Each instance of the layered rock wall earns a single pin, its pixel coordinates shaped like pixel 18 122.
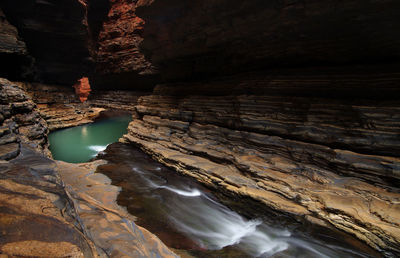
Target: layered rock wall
pixel 293 104
pixel 20 122
pixel 59 105
pixel 45 215
pixel 118 57
pixel 117 99
pixel 318 160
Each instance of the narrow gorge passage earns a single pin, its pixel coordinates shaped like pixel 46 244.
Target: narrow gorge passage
pixel 255 128
pixel 182 213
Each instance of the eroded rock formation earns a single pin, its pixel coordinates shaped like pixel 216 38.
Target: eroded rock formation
pixel 36 218
pixel 31 194
pixel 231 142
pixel 43 214
pixel 118 57
pixel 291 104
pixel 82 89
pixel 20 122
pixel 101 218
pixel 59 105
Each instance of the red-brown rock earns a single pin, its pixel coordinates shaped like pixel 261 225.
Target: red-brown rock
pixel 118 47
pixel 82 89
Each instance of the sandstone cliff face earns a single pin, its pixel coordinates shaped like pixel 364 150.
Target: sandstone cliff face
pixel 119 41
pixel 318 160
pixel 119 60
pixel 20 122
pixel 59 106
pixel 292 104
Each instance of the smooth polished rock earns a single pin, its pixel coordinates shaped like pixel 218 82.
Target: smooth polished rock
pixel 35 217
pixel 110 226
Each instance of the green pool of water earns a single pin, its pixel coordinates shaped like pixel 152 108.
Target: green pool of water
pixel 81 143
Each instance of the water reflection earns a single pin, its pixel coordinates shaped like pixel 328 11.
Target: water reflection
pixel 81 143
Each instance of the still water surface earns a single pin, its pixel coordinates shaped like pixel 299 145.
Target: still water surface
pixel 82 143
pixel 182 213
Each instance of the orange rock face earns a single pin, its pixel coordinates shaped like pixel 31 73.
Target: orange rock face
pixel 119 41
pixel 82 89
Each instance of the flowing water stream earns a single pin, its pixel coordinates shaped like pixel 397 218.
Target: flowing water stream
pixel 182 213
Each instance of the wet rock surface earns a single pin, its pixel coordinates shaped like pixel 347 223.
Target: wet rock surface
pixel 281 154
pixel 35 217
pixel 110 227
pixel 188 216
pixel 56 209
pixel 33 203
pixel 42 215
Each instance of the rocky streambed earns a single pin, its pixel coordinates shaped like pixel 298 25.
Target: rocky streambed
pixel 235 211
pixel 192 221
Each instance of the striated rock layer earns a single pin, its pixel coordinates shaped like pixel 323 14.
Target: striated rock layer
pixel 45 215
pixel 326 161
pixel 291 104
pixel 116 99
pixel 118 57
pixel 34 208
pixel 59 105
pixel 20 121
